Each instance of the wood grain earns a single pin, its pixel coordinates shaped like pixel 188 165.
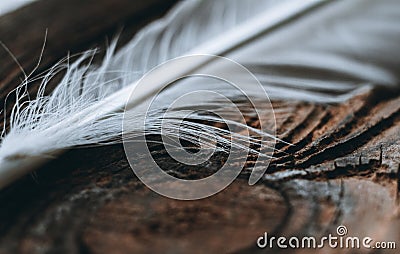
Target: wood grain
pixel 342 169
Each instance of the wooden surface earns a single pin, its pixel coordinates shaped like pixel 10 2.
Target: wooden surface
pixel 343 168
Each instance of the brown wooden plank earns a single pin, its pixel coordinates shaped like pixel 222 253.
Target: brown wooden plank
pixel 343 168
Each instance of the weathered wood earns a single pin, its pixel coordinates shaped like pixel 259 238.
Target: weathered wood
pixel 343 168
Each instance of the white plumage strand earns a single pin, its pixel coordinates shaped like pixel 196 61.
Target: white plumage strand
pixel 328 54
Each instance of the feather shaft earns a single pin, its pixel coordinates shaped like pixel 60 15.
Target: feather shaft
pixel 12 168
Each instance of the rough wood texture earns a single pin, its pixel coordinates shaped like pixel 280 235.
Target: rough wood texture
pixel 343 169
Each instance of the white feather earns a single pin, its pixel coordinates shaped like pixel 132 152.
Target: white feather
pixel 308 50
